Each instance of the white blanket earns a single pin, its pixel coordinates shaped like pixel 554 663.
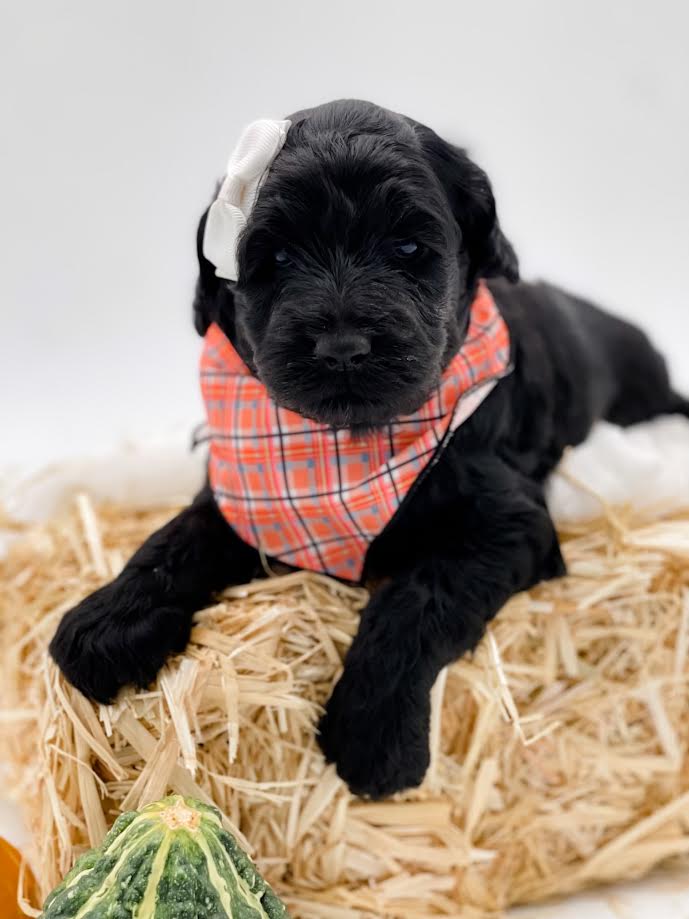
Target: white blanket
pixel 646 466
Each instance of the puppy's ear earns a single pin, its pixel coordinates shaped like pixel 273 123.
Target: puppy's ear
pixel 471 198
pixel 212 293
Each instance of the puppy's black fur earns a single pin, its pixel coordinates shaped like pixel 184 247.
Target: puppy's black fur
pixel 352 184
pixel 357 269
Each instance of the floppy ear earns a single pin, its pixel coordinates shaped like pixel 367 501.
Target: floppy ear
pixel 212 293
pixel 471 198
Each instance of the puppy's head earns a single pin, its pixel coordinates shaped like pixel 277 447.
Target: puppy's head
pixel 357 265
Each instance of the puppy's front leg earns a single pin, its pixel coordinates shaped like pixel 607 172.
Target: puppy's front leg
pixel 123 632
pixel 375 728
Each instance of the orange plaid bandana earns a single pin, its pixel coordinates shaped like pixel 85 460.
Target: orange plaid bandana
pixel 316 497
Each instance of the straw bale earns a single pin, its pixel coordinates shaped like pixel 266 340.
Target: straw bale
pixel 559 749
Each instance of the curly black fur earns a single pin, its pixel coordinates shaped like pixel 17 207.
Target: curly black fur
pixel 345 325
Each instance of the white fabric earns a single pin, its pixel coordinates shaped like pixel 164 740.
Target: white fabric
pixel 645 466
pixel 260 143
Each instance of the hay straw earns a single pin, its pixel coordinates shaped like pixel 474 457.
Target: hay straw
pixel 559 750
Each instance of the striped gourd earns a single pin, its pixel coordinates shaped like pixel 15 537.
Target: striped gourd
pixel 170 860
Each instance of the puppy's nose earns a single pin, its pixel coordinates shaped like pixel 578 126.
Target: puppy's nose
pixel 344 351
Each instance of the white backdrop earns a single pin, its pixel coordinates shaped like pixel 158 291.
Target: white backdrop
pixel 117 118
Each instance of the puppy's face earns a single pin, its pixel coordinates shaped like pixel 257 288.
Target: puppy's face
pixel 355 272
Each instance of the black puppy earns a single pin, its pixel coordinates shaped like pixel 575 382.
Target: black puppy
pixel 370 226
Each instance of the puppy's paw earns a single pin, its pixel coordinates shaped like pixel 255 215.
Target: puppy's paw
pixel 122 633
pixel 379 746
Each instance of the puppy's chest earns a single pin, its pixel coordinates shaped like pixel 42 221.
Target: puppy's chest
pixel 316 497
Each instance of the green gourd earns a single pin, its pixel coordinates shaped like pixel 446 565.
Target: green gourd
pixel 170 860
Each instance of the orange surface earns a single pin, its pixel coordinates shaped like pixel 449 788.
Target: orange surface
pixel 10 863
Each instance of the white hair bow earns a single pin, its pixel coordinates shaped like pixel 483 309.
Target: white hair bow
pixel 260 143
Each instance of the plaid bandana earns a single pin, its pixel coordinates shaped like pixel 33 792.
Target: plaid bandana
pixel 316 497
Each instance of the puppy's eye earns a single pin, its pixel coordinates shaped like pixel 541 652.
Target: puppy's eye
pixel 407 248
pixel 281 257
